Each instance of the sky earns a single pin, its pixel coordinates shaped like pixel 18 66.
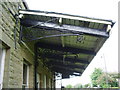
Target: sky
pixel 104 9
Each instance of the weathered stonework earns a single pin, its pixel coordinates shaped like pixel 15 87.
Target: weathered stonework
pixel 13 72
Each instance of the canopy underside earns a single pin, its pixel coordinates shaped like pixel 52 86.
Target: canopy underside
pixel 67 43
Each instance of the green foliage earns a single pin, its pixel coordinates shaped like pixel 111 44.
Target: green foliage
pixel 78 86
pixel 87 85
pixel 69 86
pixel 94 76
pixel 104 80
pixel 115 75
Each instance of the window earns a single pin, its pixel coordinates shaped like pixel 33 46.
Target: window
pixel 49 83
pixel 44 81
pixel 38 80
pixel 2 61
pixel 25 75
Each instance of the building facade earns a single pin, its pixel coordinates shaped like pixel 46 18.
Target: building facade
pixel 16 59
pixel 59 43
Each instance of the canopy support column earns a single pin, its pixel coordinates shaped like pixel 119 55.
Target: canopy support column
pixel 35 64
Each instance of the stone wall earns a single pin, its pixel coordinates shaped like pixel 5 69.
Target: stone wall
pixel 13 72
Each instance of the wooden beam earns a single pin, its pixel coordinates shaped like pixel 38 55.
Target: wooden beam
pixel 65 69
pixel 67 16
pixel 65 49
pixel 59 58
pixel 68 28
pixel 70 65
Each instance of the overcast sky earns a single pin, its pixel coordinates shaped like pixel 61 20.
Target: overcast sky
pixel 104 9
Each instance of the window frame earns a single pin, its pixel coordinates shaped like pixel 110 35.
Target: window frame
pixel 27 81
pixel 2 66
pixel 49 82
pixel 38 81
pixel 45 81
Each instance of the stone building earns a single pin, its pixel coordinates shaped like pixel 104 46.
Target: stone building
pixel 30 53
pixel 17 60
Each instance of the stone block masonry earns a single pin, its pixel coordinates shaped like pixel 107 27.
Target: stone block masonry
pixel 14 58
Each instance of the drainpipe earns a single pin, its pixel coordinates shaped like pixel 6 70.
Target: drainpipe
pixel 35 64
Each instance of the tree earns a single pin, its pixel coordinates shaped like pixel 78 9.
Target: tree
pixel 102 79
pixel 94 76
pixel 111 81
pixel 115 75
pixel 69 86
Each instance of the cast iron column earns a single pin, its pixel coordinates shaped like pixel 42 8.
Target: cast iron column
pixel 35 64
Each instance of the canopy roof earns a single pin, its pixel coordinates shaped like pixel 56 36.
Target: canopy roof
pixel 67 43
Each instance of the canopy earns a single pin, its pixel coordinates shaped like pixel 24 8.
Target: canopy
pixel 67 43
